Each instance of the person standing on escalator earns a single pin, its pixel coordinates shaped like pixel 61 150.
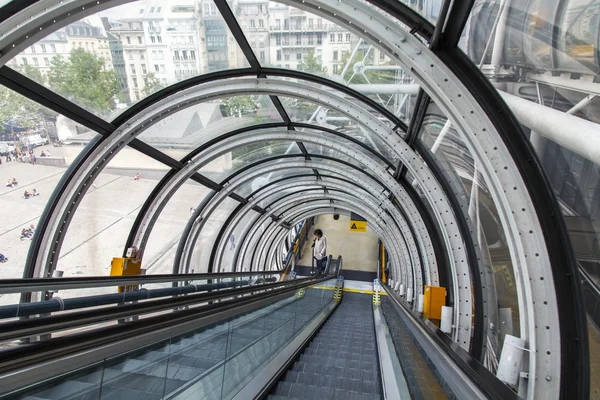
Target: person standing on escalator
pixel 320 250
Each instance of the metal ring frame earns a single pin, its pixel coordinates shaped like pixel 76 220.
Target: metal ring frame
pixel 509 191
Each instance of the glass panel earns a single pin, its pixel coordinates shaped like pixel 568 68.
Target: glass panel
pixel 104 218
pixel 286 37
pixel 159 252
pixel 430 9
pixel 367 139
pixel 222 167
pixel 28 132
pixel 250 187
pixel 182 132
pixel 112 59
pixel 547 53
pixel 208 235
pixel 236 237
pixel 316 150
pixel 459 169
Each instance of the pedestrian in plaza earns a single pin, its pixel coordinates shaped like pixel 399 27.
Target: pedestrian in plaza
pixel 26 195
pixel 320 250
pixel 35 193
pixel 137 177
pixel 3 258
pixel 43 154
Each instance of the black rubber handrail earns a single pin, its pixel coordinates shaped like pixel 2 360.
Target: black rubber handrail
pixel 29 355
pixel 43 284
pixel 36 326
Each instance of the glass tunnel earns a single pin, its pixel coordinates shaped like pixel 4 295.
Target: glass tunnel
pixel 167 163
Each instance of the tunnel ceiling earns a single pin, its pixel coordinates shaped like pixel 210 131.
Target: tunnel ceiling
pixel 399 126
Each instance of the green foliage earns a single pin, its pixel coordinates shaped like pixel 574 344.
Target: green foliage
pixel 310 63
pixel 32 73
pixel 16 110
pixel 83 79
pixel 152 84
pixel 239 106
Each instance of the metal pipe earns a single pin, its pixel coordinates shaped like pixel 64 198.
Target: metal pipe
pixel 57 304
pixel 573 133
pixel 38 284
pixel 492 36
pixel 498 49
pixel 385 88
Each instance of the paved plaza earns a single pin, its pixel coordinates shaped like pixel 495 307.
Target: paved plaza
pixel 101 224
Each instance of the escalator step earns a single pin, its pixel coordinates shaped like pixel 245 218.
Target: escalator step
pixel 310 392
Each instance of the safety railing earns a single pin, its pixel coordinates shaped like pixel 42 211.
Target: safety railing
pixel 183 354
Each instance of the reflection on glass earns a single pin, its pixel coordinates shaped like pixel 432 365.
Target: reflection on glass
pixel 207 238
pixel 182 132
pixel 457 164
pixel 546 51
pixel 102 222
pixel 54 141
pixel 222 167
pixel 159 252
pixel 110 60
pixel 286 37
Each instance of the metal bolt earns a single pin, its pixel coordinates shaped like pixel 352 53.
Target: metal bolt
pixel 548 378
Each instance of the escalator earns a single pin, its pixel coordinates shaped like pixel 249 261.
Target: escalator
pixel 341 360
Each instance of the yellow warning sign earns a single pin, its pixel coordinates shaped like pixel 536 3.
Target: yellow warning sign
pixel 358 226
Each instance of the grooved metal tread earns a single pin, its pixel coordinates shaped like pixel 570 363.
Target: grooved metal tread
pixel 341 360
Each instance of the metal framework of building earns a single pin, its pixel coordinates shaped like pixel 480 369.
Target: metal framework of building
pixel 413 205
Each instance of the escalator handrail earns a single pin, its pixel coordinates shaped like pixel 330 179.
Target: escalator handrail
pixel 27 357
pixel 485 380
pixel 44 284
pixel 35 326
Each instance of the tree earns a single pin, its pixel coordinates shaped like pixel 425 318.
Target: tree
pixel 82 79
pixel 32 73
pixel 310 63
pixel 238 106
pixel 18 111
pixel 152 84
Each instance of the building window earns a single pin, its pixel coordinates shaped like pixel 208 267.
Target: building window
pixel 192 54
pixel 319 38
pixel 32 49
pixel 278 39
pixel 335 55
pixel 335 69
pixel 310 23
pixel 190 39
pixel 134 82
pixel 381 55
pixel 298 56
pixel 286 24
pixel 287 66
pixel 142 55
pixel 46 62
pixel 144 71
pixel 347 37
pixel 251 23
pixel 132 67
pixel 139 40
pixel 35 62
pixel 206 9
pixel 287 57
pixel 176 55
pixel 25 61
pixel 152 39
pixel 156 67
pixel 151 10
pixel 298 38
pixel 340 37
pixel 332 38
pixel 130 54
pixel 277 24
pixel 184 54
pixel 262 56
pixel 278 55
pixel 311 39
pixel 43 48
pixel 128 39
pixel 159 39
pixel 158 9
pixel 261 23
pixel 162 68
